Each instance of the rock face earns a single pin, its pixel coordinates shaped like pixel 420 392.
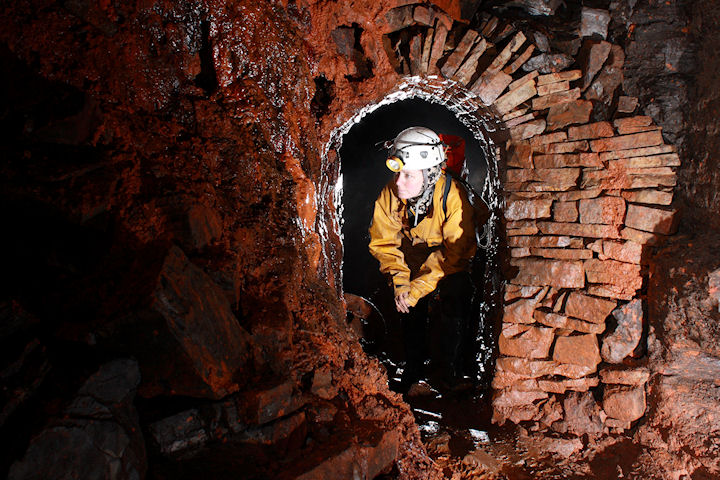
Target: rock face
pixel 684 354
pixel 99 435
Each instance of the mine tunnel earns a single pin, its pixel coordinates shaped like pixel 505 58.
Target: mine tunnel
pixel 186 195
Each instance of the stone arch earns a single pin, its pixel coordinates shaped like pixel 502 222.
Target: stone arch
pixel 485 128
pixel 586 192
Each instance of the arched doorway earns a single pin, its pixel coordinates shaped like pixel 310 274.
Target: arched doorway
pixel 361 175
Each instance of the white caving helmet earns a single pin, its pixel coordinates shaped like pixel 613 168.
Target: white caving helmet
pixel 415 148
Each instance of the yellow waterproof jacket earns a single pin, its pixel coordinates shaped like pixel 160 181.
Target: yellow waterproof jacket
pixel 418 257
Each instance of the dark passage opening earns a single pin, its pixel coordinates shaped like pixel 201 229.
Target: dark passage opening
pixel 363 176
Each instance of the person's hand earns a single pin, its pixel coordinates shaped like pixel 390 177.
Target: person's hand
pixel 401 302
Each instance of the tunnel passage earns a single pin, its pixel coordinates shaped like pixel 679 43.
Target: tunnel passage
pixel 363 175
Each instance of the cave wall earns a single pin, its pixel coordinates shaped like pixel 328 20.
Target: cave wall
pixel 160 164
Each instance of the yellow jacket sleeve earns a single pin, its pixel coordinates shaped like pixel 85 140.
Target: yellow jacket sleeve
pixel 385 241
pixel 458 245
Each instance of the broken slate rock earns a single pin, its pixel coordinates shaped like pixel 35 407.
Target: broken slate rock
pixel 626 337
pixel 98 437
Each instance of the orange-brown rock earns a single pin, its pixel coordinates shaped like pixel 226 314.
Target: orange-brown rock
pixel 565 212
pixel 520 156
pixel 629 124
pixel 559 160
pixel 545 241
pixel 655 220
pixel 657 197
pixel 557 273
pixel 588 308
pixel 624 403
pixel 603 210
pixel 638 152
pixel 555 320
pixel 590 131
pixel 636 140
pixel 569 113
pixel 562 253
pixel 553 88
pixel 626 337
pixel 592 57
pixel 577 350
pixel 528 129
pixel 541 103
pixel 549 138
pixel 520 311
pixel 567 75
pixel 564 147
pixel 625 376
pixel 535 342
pixel 623 276
pixel 579 230
pixel 561 386
pixel 638 236
pixel 628 252
pixel 523 209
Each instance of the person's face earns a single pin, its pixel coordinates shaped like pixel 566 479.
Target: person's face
pixel 409 183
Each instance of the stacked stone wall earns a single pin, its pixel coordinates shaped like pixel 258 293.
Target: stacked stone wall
pixel 588 188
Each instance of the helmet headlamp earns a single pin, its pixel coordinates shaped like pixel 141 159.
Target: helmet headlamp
pixel 394 163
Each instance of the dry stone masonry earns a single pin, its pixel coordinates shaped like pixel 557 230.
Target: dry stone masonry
pixel 586 192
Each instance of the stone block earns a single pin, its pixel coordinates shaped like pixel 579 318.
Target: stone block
pixel 547 101
pixel 520 311
pixel 555 320
pixel 561 386
pixel 469 66
pixel 609 79
pixel 638 152
pixel 556 273
pixel 625 376
pixel 513 292
pixel 578 350
pixel 565 212
pixel 625 277
pixel 521 156
pixel 566 76
pixel 591 131
pixel 656 197
pixel 626 337
pixel 549 63
pixel 591 57
pixel 527 130
pixel 653 161
pixel 520 60
pixel 456 57
pixel 523 209
pixel 628 124
pixel 564 147
pixel 628 252
pixel 627 104
pixel 638 236
pixel 602 210
pixel 553 88
pixel 623 142
pixel 520 120
pixel 529 77
pixel 611 291
pixel 624 403
pixel 545 242
pixel 594 22
pixel 582 414
pixel 515 97
pixel 491 87
pixel 651 219
pixel 549 138
pixel 562 253
pixel 570 113
pixel 535 342
pixel 575 195
pixel 588 308
pixel 579 230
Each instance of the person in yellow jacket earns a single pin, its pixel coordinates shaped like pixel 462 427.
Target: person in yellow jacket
pixel 423 236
